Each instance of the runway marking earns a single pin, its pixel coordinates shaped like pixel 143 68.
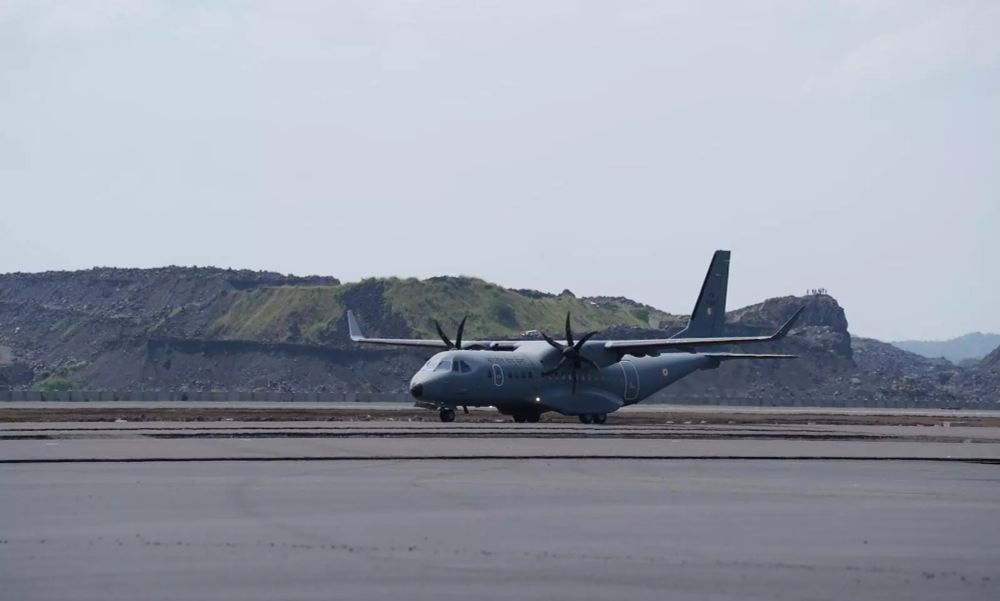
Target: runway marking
pixel 451 458
pixel 827 436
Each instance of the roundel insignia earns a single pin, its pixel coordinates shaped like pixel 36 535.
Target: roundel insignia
pixel 666 372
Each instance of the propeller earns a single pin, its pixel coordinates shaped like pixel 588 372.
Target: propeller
pixel 570 352
pixel 458 336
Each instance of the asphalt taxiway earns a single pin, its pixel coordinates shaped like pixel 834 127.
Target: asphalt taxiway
pixel 377 509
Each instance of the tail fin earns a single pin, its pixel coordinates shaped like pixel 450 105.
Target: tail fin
pixel 708 319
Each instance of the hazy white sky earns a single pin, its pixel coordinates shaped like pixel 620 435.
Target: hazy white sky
pixel 605 147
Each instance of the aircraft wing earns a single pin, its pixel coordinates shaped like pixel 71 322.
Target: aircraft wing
pixel 642 347
pixel 357 336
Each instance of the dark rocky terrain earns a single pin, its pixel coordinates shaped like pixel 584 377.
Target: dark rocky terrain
pixel 213 329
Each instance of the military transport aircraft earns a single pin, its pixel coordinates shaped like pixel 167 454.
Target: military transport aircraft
pixel 576 376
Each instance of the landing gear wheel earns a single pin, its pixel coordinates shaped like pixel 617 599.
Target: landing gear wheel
pixel 600 418
pixel 520 418
pixel 586 418
pixel 447 414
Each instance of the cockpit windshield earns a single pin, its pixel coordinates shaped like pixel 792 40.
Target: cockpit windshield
pixel 457 366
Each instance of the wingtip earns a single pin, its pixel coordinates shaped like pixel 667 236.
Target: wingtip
pixel 353 327
pixel 783 331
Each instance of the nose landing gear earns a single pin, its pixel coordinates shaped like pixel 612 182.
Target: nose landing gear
pixel 447 414
pixel 593 418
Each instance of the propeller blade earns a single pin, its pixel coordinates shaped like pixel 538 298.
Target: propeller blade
pixel 554 344
pixel 591 363
pixel 585 338
pixel 458 337
pixel 569 332
pixel 441 334
pixel 574 380
pixel 549 372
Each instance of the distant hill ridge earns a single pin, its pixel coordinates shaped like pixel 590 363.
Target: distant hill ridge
pixel 975 345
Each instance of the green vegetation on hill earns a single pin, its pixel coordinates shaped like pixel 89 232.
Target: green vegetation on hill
pixel 308 314
pixel 497 311
pixel 56 383
pixel 282 313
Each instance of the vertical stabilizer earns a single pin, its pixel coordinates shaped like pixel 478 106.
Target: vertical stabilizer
pixel 708 319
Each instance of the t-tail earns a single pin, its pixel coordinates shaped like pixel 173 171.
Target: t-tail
pixel 708 319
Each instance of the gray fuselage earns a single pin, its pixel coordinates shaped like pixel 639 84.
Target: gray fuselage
pixel 513 380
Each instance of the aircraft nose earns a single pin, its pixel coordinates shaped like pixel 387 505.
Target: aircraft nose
pixel 417 390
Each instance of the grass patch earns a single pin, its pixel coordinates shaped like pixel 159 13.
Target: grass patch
pixel 307 314
pixel 56 383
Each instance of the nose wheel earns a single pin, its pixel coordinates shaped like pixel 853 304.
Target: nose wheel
pixel 593 418
pixel 447 414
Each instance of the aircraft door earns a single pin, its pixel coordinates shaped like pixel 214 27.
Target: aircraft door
pixel 497 375
pixel 631 380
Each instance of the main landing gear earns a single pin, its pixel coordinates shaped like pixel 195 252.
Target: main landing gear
pixel 447 414
pixel 593 418
pixel 531 417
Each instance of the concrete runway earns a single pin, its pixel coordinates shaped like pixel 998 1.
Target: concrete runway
pixel 370 510
pixel 332 441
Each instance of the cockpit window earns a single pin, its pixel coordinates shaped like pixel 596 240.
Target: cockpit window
pixel 445 365
pixel 465 367
pixel 428 366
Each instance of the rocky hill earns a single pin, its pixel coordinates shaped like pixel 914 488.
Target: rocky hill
pixel 981 381
pixel 210 329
